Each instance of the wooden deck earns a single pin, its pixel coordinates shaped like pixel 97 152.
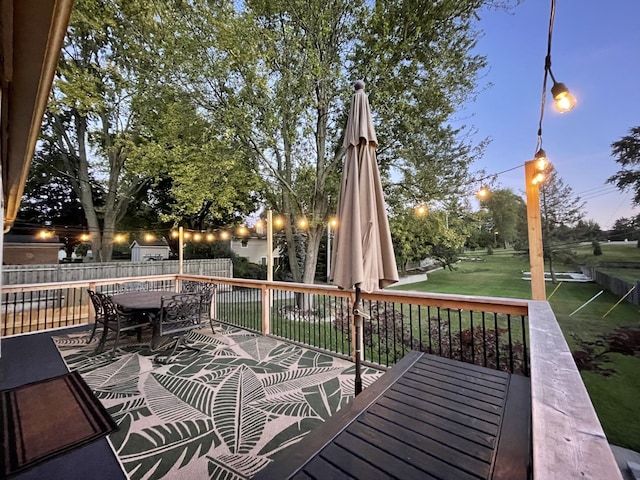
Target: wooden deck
pixel 427 417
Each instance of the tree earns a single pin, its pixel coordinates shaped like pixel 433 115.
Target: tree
pixel 48 198
pixel 626 152
pixel 199 179
pixel 276 78
pixel 561 211
pixel 90 117
pixel 416 238
pixel 625 229
pixel 121 134
pixel 505 210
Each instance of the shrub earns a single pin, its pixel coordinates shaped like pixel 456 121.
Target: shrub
pixel 597 249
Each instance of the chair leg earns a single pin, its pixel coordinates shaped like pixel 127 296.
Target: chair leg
pixel 115 343
pixel 93 332
pixel 180 342
pixel 103 339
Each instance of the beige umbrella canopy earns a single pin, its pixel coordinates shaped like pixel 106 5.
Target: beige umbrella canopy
pixel 363 256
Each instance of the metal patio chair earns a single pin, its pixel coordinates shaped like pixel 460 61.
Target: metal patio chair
pixel 179 314
pixel 119 321
pixel 101 317
pixel 206 289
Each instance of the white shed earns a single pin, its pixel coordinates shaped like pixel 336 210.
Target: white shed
pixel 149 250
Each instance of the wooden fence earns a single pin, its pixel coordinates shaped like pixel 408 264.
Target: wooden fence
pixel 615 285
pixel 70 272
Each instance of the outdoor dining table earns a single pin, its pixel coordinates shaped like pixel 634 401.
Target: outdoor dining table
pixel 146 302
pixel 427 417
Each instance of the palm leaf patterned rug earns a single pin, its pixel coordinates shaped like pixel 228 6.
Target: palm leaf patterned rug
pixel 224 412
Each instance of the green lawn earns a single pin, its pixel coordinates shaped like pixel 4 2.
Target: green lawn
pixel 615 397
pixel 628 252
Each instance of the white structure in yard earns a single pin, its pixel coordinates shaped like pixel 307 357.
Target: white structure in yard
pixel 149 250
pixel 252 248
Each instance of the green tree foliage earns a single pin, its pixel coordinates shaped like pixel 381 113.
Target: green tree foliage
pixel 416 238
pixel 626 152
pixel 200 179
pixel 506 213
pixel 625 229
pixel 48 198
pixel 90 120
pixel 275 78
pixel 561 211
pixel 126 139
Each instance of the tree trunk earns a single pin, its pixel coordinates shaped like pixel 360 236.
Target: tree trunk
pixel 554 280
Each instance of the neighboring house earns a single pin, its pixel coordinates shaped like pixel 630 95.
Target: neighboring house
pixel 253 249
pixel 149 250
pixel 30 250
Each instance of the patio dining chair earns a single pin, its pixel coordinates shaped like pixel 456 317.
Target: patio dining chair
pixel 120 321
pixel 179 314
pixel 101 315
pixel 206 289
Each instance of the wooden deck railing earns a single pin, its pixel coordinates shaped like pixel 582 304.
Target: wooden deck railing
pixel 521 336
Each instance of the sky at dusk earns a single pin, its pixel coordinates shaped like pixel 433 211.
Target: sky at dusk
pixel 596 52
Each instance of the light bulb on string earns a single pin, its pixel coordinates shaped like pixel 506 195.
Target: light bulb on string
pixel 541 159
pixel 303 223
pixel 563 100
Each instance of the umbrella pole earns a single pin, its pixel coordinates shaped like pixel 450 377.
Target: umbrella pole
pixel 357 313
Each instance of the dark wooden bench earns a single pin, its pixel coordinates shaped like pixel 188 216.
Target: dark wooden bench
pixel 427 417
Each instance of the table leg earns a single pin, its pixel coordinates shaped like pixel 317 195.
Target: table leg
pixel 155 330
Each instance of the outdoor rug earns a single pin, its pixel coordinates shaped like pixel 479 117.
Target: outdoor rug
pixel 46 418
pixel 225 412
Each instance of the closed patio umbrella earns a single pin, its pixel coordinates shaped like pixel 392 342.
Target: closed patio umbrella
pixel 363 257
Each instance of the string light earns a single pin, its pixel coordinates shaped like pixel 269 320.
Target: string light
pixel 210 236
pixel 421 210
pixel 541 159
